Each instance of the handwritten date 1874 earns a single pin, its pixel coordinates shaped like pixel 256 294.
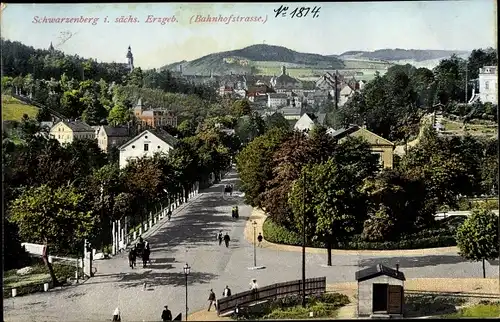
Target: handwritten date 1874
pixel 298 12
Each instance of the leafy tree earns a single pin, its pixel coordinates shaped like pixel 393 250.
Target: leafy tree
pixel 477 237
pixel 254 164
pixel 277 120
pixel 119 114
pixel 43 115
pixel 53 217
pixel 249 127
pixel 378 227
pixel 241 107
pixel 479 58
pixel 187 128
pixel 335 200
pixel 450 77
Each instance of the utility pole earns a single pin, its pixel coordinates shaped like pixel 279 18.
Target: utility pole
pixel 304 241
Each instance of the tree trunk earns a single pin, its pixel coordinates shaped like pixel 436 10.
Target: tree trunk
pixel 45 257
pixel 329 253
pixel 484 269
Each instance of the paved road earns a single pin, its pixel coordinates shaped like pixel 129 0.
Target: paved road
pixel 190 237
pixel 442 215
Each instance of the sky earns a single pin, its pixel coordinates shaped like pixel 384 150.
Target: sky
pixel 340 27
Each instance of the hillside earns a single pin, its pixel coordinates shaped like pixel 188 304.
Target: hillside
pixel 255 59
pixel 398 54
pixel 13 109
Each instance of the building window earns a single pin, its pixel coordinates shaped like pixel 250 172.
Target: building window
pixel 159 147
pixel 487 85
pixel 133 146
pixel 146 147
pixel 146 137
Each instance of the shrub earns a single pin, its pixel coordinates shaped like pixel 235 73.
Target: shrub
pixel 430 238
pixel 378 227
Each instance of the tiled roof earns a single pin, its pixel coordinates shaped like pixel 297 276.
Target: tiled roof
pixel 116 131
pixel 343 132
pixel 277 95
pixel 291 111
pixel 161 134
pixel 77 126
pixel 378 270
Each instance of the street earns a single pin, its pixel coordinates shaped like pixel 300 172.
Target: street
pixel 190 237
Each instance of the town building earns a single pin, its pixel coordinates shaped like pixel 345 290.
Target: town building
pixel 108 136
pixel 383 148
pixel 275 100
pixel 146 144
pixel 154 117
pixel 488 84
pixel 285 81
pixel 304 124
pixel 68 131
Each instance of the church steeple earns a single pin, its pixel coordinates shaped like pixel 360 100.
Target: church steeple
pixel 51 48
pixel 130 58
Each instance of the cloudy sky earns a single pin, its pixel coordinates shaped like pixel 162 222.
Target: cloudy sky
pixel 340 27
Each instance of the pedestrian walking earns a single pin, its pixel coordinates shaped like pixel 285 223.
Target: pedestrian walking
pixel 226 292
pixel 131 258
pixel 145 256
pixel 166 315
pixel 116 315
pixel 169 214
pixel 211 300
pixel 148 259
pixel 259 238
pixel 226 239
pixel 220 237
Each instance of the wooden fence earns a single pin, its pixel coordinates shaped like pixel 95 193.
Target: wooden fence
pixel 315 285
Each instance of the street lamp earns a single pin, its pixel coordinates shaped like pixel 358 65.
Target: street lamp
pixel 187 269
pixel 254 225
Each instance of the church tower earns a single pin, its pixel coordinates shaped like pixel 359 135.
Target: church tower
pixel 51 48
pixel 130 58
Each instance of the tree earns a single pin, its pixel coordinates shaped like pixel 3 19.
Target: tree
pixel 477 237
pixel 14 254
pixel 250 127
pixel 241 107
pixel 335 201
pixel 277 120
pixel 119 114
pixel 479 58
pixel 450 78
pixel 54 217
pixel 254 164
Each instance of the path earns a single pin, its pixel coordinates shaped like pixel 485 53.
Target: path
pixel 190 237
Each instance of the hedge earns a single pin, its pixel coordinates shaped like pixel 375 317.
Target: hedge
pixel 425 239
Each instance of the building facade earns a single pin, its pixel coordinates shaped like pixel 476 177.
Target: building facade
pixel 68 131
pixel 108 136
pixel 146 144
pixel 154 117
pixel 488 84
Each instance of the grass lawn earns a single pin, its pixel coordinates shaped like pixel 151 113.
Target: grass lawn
pixel 483 310
pixel 13 109
pixel 473 128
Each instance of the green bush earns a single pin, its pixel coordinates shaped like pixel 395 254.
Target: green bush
pixel 431 238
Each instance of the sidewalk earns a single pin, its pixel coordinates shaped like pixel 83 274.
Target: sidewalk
pixel 259 217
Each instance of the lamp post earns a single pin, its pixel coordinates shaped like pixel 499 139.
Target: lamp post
pixel 254 225
pixel 187 269
pixel 304 241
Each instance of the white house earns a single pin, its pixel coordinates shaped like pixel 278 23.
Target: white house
pixel 277 100
pixel 305 123
pixel 345 94
pixel 148 143
pixel 488 84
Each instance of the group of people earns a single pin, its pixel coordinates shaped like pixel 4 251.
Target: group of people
pixel 142 250
pixel 212 300
pixel 225 238
pixel 228 188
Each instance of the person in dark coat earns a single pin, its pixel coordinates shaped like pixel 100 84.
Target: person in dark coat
pixel 220 237
pixel 145 256
pixel 226 239
pixel 211 300
pixel 259 238
pixel 169 214
pixel 131 258
pixel 166 315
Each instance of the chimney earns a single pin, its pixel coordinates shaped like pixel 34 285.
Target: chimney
pixel 397 268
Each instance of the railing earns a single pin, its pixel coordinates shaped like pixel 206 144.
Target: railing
pixel 313 286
